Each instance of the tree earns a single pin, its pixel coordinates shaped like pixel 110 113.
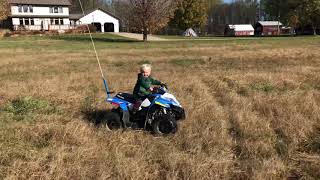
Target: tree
pixel 87 5
pixel 237 12
pixel 295 12
pixel 310 13
pixel 190 14
pixel 150 15
pixel 4 9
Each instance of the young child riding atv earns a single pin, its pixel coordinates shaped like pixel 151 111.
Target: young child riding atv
pixel 143 86
pixel 149 108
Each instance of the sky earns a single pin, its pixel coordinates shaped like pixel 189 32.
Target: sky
pixel 227 1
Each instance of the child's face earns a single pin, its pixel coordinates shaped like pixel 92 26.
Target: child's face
pixel 146 72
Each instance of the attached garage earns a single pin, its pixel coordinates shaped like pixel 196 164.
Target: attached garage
pixel 101 19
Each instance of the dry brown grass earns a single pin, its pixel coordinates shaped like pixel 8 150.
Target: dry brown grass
pixel 252 111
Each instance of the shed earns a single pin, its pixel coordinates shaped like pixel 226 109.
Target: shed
pixel 239 30
pixel 268 28
pixel 103 20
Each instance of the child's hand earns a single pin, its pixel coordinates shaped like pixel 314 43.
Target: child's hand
pixel 151 89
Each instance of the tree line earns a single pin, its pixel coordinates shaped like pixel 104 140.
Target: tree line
pixel 296 13
pixel 211 16
pixel 206 16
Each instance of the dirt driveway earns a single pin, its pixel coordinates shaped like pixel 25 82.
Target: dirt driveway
pixel 139 36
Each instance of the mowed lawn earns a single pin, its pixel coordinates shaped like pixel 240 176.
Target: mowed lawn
pixel 253 108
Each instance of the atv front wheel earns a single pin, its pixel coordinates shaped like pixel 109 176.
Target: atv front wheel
pixel 112 121
pixel 165 124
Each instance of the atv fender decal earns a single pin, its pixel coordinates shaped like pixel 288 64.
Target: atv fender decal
pixel 164 105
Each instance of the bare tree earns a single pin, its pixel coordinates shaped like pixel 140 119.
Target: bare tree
pixel 150 15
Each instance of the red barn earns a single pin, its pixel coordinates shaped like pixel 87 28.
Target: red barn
pixel 268 28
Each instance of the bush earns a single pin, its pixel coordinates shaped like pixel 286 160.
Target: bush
pixel 84 29
pixel 4 33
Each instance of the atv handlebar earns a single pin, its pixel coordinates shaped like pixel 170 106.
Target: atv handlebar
pixel 161 89
pixel 164 85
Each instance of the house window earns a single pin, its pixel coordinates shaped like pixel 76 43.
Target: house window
pixel 21 21
pixel 30 9
pixel 56 9
pixel 32 21
pixel 20 9
pixel 25 8
pixel 26 21
pixel 56 21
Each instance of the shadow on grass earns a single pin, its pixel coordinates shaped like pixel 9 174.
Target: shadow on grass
pixel 96 116
pixel 96 38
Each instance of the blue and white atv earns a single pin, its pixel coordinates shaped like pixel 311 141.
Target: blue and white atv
pixel 158 113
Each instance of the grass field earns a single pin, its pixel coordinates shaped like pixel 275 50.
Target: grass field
pixel 252 109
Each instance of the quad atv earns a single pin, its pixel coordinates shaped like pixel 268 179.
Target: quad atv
pixel 158 113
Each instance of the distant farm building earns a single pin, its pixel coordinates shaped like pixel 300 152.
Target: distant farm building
pixel 101 19
pixel 190 33
pixel 268 28
pixel 239 30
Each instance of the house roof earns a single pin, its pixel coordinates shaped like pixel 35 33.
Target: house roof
pixel 241 27
pixel 270 23
pixel 75 16
pixel 41 2
pixel 79 16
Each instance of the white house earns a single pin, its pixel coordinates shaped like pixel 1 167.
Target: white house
pixel 103 20
pixel 40 14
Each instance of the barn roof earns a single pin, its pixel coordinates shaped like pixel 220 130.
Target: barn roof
pixel 270 23
pixel 41 2
pixel 241 27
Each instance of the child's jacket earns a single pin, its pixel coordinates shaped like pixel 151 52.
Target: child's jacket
pixel 141 89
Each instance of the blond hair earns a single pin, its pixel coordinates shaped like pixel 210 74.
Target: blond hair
pixel 144 67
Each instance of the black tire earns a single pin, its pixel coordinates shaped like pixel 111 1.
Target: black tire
pixel 112 121
pixel 165 124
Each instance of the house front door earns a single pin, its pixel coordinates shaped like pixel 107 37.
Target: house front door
pixel 44 25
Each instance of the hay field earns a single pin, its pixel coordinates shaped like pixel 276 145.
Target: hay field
pixel 252 109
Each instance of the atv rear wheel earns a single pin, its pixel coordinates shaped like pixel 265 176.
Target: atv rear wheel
pixel 112 121
pixel 165 124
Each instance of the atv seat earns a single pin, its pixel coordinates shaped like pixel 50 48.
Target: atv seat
pixel 126 96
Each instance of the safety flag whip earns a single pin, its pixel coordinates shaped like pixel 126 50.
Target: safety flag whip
pixel 96 53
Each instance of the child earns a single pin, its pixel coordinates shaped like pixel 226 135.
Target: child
pixel 144 84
